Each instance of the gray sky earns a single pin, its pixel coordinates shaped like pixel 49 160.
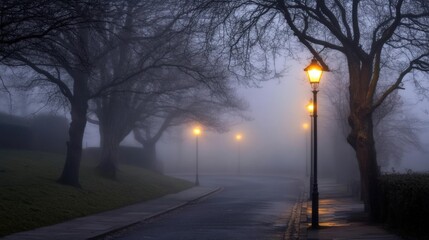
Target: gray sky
pixel 275 137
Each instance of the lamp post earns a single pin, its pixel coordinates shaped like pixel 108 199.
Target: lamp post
pixel 308 161
pixel 197 132
pixel 238 137
pixel 306 126
pixel 314 72
pixel 310 109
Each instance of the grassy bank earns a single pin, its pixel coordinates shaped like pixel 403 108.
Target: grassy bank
pixel 31 198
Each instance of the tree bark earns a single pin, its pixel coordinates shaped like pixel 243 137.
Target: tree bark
pixel 70 173
pixel 361 137
pixel 364 145
pixel 150 161
pixel 113 128
pixel 109 152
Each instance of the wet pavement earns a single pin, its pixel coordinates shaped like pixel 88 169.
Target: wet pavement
pixel 248 207
pixel 341 217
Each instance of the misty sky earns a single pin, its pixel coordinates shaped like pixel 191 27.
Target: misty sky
pixel 275 137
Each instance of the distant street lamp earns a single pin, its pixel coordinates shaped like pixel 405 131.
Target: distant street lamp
pixel 306 127
pixel 197 132
pixel 239 137
pixel 314 72
pixel 310 109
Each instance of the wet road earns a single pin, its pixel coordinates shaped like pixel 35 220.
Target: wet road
pixel 247 208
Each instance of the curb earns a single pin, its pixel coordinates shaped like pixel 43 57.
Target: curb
pixel 304 219
pixel 295 228
pixel 160 213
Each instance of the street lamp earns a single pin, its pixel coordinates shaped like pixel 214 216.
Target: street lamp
pixel 314 72
pixel 239 137
pixel 197 132
pixel 310 107
pixel 306 127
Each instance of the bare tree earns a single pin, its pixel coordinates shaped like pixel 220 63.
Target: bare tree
pixel 24 22
pixel 160 95
pixel 145 32
pixel 154 41
pixel 213 109
pixel 159 48
pixel 379 39
pixel 69 60
pixel 64 60
pixel 394 130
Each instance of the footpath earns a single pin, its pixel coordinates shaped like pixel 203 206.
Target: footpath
pixel 102 224
pixel 341 217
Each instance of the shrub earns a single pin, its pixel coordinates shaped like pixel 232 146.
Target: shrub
pixel 127 155
pixel 15 132
pixel 405 202
pixel 47 133
pixel 13 136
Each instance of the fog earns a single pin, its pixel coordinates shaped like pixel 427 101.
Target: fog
pixel 185 76
pixel 274 141
pixel 416 159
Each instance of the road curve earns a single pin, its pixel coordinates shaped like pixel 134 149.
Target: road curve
pixel 248 207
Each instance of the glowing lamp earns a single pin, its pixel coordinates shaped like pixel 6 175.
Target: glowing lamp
pixel 305 126
pixel 238 137
pixel 197 131
pixel 314 72
pixel 310 107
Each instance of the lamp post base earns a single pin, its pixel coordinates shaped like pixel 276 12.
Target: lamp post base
pixel 315 207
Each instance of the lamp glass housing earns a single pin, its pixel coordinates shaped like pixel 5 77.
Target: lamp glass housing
pixel 314 72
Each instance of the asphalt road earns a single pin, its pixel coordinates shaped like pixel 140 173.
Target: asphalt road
pixel 247 208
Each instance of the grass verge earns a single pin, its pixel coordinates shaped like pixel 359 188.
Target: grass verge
pixel 30 197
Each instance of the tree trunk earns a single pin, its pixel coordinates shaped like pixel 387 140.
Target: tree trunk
pixel 150 158
pixel 79 108
pixel 113 128
pixel 361 137
pixel 362 140
pixel 109 144
pixel 70 174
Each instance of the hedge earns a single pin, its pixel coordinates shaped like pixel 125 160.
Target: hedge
pixel 405 202
pixel 46 133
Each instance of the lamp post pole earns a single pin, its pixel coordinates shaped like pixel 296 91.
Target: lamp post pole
pixel 307 159
pixel 197 132
pixel 310 108
pixel 311 159
pixel 238 138
pixel 239 158
pixel 315 191
pixel 197 182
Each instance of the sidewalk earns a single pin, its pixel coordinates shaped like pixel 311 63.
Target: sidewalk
pixel 107 222
pixel 340 217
